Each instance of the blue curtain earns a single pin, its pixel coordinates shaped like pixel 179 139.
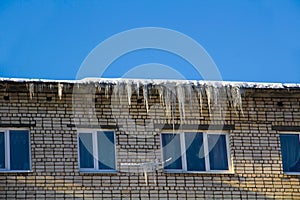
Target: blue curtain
pixel 171 151
pixel 86 150
pixel 2 150
pixel 290 150
pixel 218 159
pixel 19 150
pixel 106 149
pixel 195 152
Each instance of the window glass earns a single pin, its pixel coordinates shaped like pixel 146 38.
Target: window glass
pixel 2 150
pixel 97 150
pixel 86 150
pixel 290 149
pixel 218 159
pixel 171 151
pixel 195 152
pixel 19 150
pixel 106 149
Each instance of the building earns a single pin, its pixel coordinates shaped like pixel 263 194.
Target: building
pixel 139 139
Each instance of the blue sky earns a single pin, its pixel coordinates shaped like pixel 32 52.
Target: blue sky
pixel 248 40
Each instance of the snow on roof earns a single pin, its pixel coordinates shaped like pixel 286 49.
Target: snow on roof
pixel 262 85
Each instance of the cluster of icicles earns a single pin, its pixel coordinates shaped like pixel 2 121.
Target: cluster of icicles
pixel 32 90
pixel 171 92
pixel 179 92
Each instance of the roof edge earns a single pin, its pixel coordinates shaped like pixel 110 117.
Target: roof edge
pixel 240 84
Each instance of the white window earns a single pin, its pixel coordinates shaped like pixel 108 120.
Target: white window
pixel 96 150
pixel 14 150
pixel 290 151
pixel 196 152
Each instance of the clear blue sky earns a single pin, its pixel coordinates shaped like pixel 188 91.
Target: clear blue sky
pixel 255 40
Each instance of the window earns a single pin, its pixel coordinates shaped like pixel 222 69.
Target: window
pixel 14 150
pixel 96 150
pixel 195 152
pixel 290 150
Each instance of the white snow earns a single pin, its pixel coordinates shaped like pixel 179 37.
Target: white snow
pixel 263 85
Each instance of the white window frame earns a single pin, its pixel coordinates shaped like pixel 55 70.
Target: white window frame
pixel 288 133
pixel 205 145
pixel 95 151
pixel 7 150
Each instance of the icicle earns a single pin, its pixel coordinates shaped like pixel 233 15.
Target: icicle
pixel 234 94
pixel 200 95
pixel 208 95
pixel 40 88
pixel 188 93
pixel 173 109
pixel 169 99
pixel 240 102
pixel 107 88
pixel 222 94
pixel 216 96
pixel 161 94
pixel 229 95
pixel 237 100
pixel 145 169
pixel 60 87
pixel 99 88
pixel 121 91
pixel 115 93
pixel 129 92
pixel 155 170
pixel 216 102
pixel 213 94
pixel 31 90
pixel 145 93
pixel 137 89
pixel 181 102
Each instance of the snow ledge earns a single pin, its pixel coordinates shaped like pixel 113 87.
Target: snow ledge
pixel 261 85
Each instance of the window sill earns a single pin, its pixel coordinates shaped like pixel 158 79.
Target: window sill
pixel 197 172
pixel 15 171
pixel 292 173
pixel 98 171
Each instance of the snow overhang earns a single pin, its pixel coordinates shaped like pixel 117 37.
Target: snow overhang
pixel 113 81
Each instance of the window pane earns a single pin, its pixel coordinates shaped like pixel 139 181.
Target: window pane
pixel 86 150
pixel 2 150
pixel 290 150
pixel 217 152
pixel 106 149
pixel 19 150
pixel 195 152
pixel 171 151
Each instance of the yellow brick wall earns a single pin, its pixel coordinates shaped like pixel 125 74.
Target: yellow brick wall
pixel 254 146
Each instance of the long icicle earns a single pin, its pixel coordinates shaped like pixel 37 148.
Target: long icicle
pixel 145 173
pixel 129 92
pixel 208 95
pixel 145 93
pixel 180 93
pixel 59 88
pixel 31 90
